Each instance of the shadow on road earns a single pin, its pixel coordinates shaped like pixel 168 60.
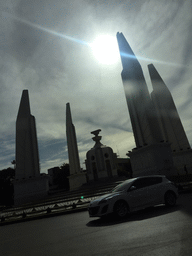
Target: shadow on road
pixel 135 216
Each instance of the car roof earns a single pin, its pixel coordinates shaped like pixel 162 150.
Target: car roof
pixel 147 176
pixel 150 176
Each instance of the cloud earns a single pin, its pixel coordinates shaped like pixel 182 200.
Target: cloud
pixel 7 150
pixel 56 70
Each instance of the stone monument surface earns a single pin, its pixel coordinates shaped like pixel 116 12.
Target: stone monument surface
pixel 28 183
pixel 100 160
pixel 27 155
pixel 170 122
pixel 76 178
pixel 152 155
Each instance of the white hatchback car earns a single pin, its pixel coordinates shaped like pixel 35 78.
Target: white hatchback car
pixel 135 194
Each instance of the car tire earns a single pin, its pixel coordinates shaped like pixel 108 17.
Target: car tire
pixel 170 198
pixel 121 209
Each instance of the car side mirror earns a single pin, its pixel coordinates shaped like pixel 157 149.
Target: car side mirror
pixel 132 188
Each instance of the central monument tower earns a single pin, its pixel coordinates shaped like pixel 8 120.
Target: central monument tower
pixel 100 160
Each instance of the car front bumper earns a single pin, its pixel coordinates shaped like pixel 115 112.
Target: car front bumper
pixel 98 210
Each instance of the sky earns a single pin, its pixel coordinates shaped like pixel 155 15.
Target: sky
pixel 46 47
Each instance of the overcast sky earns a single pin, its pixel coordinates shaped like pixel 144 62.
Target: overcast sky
pixel 37 53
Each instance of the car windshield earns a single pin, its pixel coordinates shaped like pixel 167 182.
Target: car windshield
pixel 123 186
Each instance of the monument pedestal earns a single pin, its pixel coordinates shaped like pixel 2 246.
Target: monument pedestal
pixel 181 159
pixel 77 180
pixel 100 160
pixel 152 160
pixel 26 190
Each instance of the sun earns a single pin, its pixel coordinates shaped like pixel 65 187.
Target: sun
pixel 105 49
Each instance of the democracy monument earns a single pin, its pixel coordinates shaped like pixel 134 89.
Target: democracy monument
pixel 161 144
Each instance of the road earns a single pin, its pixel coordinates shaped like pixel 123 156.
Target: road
pixel 155 231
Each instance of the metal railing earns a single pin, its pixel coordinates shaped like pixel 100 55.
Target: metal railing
pixel 56 204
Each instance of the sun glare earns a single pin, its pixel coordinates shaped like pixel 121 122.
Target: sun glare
pixel 105 49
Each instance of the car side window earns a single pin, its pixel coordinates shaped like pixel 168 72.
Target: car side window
pixel 140 183
pixel 147 181
pixel 154 180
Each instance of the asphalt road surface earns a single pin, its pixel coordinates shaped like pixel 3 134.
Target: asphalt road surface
pixel 154 231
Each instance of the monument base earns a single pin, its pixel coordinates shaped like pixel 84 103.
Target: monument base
pixel 102 174
pixel 152 160
pixel 183 161
pixel 28 190
pixel 76 180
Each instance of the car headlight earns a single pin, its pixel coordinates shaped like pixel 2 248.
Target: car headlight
pixel 103 201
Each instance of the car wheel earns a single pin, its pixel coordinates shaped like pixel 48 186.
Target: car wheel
pixel 170 198
pixel 121 209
